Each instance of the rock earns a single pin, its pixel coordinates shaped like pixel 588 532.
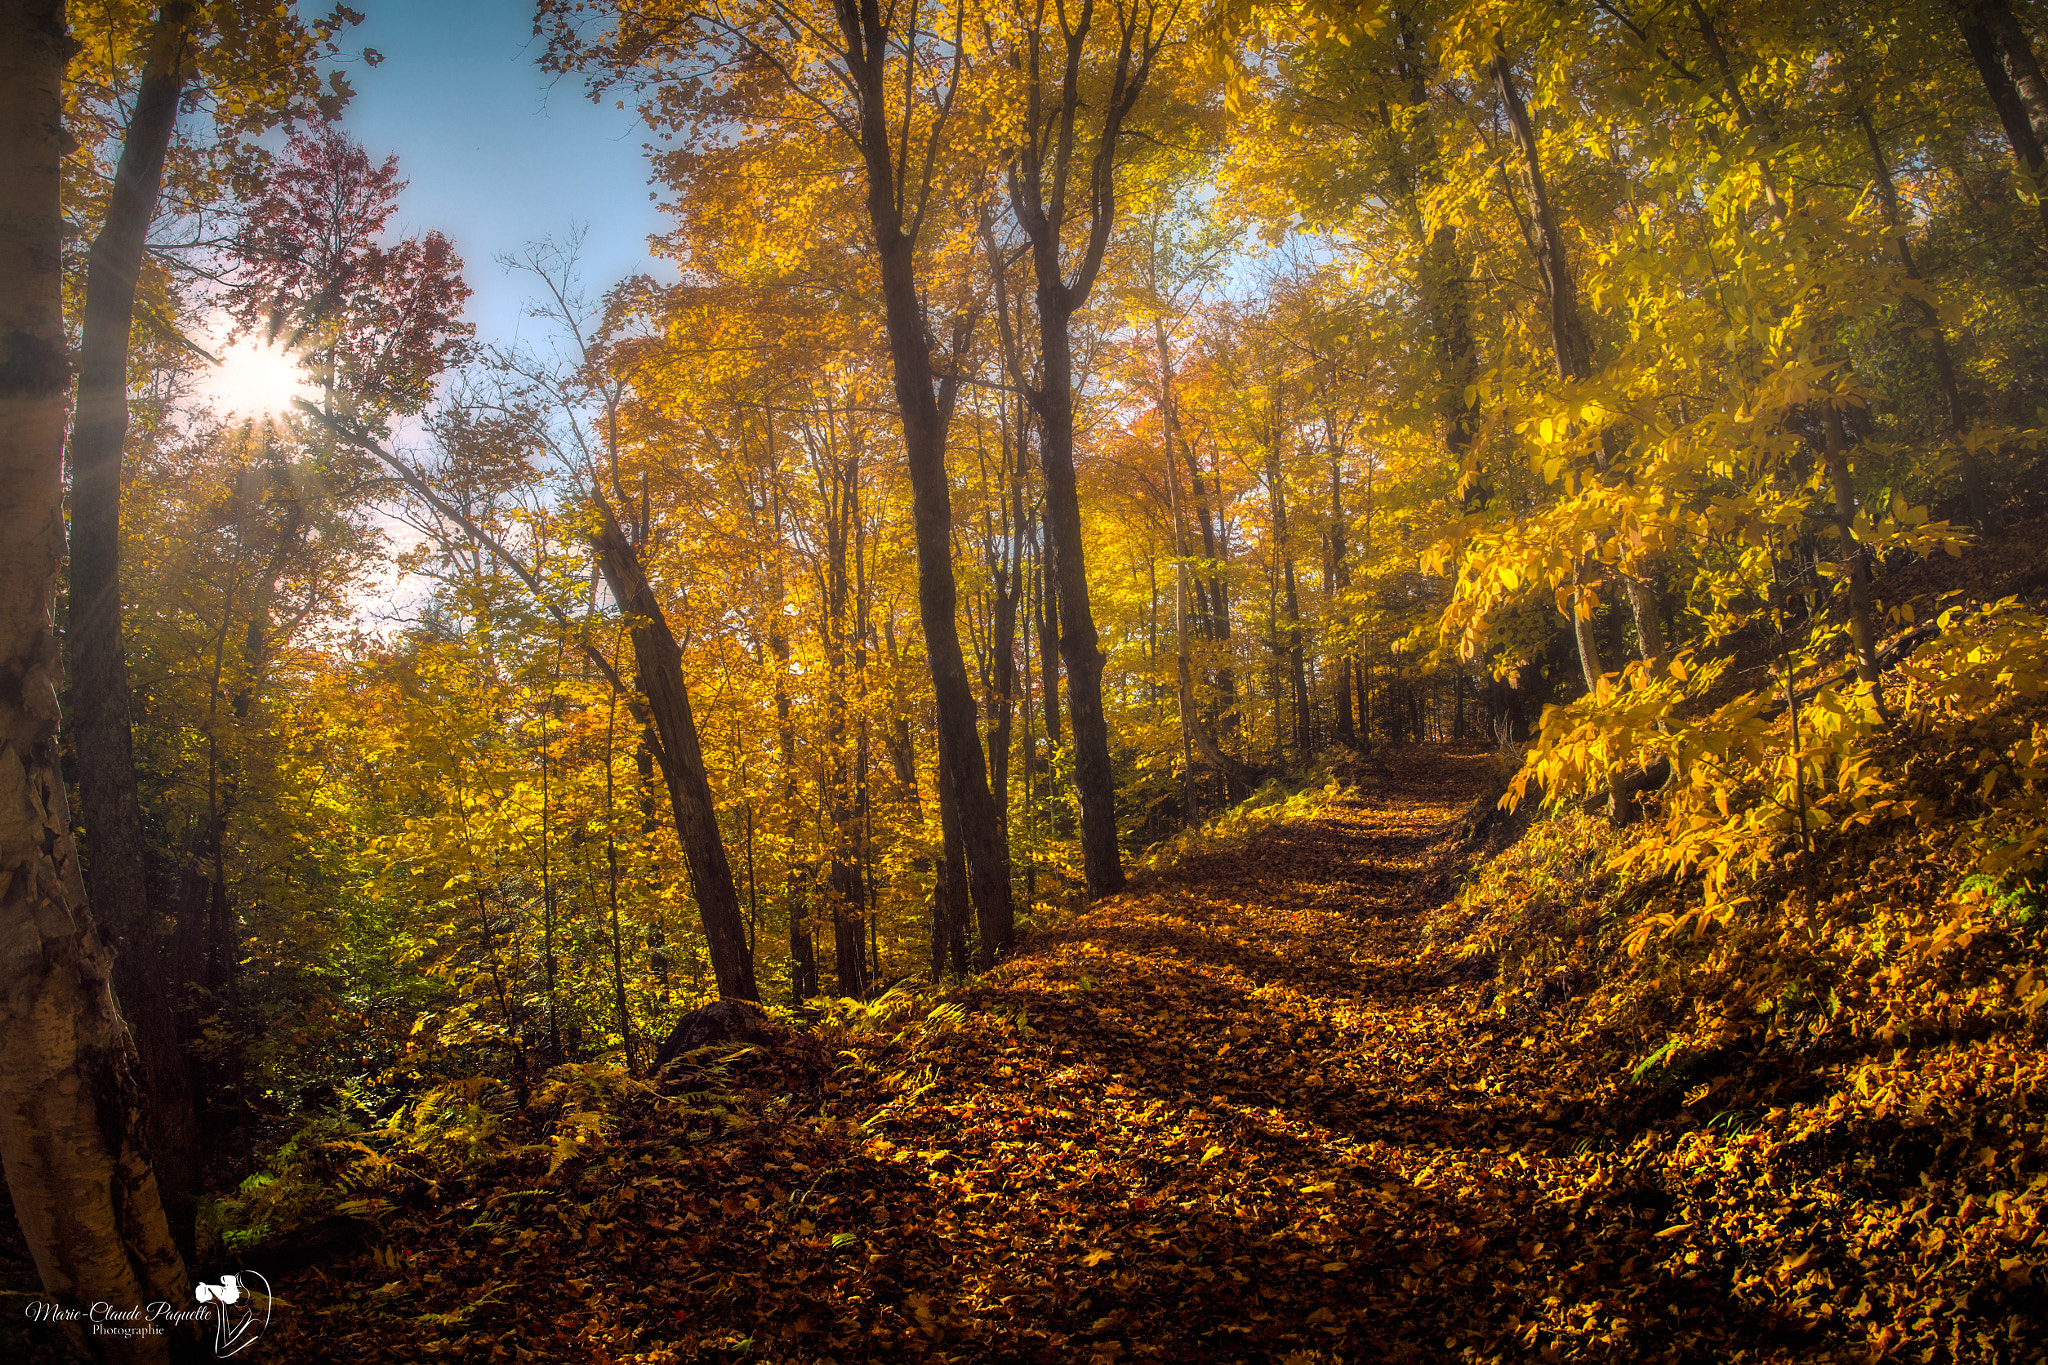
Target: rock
pixel 721 1021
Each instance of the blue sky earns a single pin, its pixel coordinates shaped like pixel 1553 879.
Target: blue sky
pixel 498 153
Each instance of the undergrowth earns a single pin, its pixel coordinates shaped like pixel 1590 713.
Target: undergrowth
pixel 1279 800
pixel 1852 1039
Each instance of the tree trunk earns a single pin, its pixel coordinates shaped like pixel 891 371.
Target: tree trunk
pixel 1194 733
pixel 71 1139
pixel 2016 55
pixel 1339 578
pixel 1214 613
pixel 257 642
pixel 926 414
pixel 1049 648
pixel 951 902
pixel 839 487
pixel 1457 359
pixel 1855 562
pixel 1731 85
pixel 1567 335
pixel 1080 648
pixel 1508 704
pixel 1040 193
pixel 1574 361
pixel 1585 622
pixel 660 665
pixel 1006 572
pixel 1297 671
pixel 1288 642
pixel 1930 322
pixel 902 752
pixel 2014 115
pixel 803 952
pixel 1440 276
pixel 117 852
pixel 659 662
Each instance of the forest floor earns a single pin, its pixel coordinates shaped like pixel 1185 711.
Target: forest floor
pixel 1242 1112
pixel 1238 1113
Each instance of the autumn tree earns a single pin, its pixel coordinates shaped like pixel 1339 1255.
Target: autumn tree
pixel 1082 74
pixel 822 80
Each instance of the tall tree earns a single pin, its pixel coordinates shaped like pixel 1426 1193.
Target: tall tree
pixel 1574 351
pixel 71 1138
pixel 1060 70
pixel 118 854
pixel 875 90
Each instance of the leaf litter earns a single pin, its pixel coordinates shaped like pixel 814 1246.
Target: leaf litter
pixel 1244 1112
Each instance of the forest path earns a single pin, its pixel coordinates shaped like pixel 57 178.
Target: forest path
pixel 1241 1121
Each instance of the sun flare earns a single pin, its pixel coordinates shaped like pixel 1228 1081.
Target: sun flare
pixel 254 380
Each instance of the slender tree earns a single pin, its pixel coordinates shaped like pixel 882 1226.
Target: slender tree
pixel 117 851
pixel 1050 199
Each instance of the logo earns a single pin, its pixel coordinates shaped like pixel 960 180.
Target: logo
pixel 239 1308
pixel 240 1313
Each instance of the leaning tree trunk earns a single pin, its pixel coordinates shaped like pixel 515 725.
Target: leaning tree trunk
pixel 664 702
pixel 70 1127
pixel 961 764
pixel 2016 55
pixel 1439 272
pixel 1574 361
pixel 117 853
pixel 660 665
pixel 1566 332
pixel 1952 412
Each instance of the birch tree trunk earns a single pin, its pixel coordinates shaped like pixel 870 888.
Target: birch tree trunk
pixel 2016 55
pixel 70 1127
pixel 2027 140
